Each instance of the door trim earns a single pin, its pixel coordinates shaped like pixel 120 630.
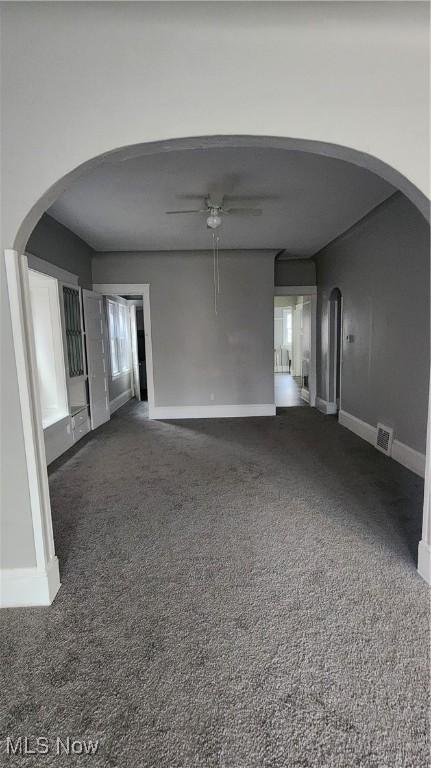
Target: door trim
pixel 15 591
pixel 135 378
pixel 311 291
pixel 87 294
pixel 118 289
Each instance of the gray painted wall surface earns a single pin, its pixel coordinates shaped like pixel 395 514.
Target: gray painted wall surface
pixel 195 352
pixel 294 272
pixel 381 267
pixel 57 244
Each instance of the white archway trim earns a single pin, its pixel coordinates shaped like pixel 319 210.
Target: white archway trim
pixel 424 551
pixel 37 585
pixel 337 151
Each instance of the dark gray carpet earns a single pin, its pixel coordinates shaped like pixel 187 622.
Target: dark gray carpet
pixel 236 593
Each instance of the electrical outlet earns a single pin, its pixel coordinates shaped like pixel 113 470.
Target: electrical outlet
pixel 212 396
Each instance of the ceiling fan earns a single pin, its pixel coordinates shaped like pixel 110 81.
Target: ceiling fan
pixel 215 210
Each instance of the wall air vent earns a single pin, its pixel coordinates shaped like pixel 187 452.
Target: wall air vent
pixel 384 439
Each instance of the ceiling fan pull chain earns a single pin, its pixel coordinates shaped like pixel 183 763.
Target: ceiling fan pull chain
pixel 217 258
pixel 214 272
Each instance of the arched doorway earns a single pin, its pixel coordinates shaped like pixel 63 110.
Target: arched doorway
pixel 17 279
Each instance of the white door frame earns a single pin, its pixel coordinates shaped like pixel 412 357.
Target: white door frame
pixel 332 405
pixel 311 291
pixel 121 289
pixel 135 380
pixel 39 584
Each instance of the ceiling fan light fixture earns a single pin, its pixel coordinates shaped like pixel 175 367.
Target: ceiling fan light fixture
pixel 213 220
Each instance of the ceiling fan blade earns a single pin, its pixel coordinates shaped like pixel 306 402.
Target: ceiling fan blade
pixel 199 196
pixel 250 198
pixel 246 211
pixel 191 211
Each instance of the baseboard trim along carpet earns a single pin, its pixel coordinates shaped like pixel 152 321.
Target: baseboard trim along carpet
pixel 24 587
pixel 324 406
pixel 424 561
pixel 120 400
pixel 210 411
pixel 403 454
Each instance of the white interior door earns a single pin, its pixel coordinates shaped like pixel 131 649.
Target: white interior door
pixel 97 363
pixel 135 355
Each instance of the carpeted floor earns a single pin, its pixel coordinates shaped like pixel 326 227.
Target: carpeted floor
pixel 236 593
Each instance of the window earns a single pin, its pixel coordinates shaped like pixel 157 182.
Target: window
pixel 287 327
pixel 45 310
pixel 119 338
pixel 72 320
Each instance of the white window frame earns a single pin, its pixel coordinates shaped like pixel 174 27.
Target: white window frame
pixel 54 400
pixel 287 327
pixel 121 343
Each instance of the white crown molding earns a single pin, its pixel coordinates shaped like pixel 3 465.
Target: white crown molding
pixel 210 411
pixel 40 265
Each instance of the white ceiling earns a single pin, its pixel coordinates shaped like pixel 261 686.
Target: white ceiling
pixel 307 200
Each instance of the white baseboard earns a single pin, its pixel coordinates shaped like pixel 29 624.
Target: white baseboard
pixel 25 587
pixel 210 411
pixel 58 439
pixel 326 407
pixel 403 454
pixel 409 457
pixel 305 394
pixel 359 427
pixel 424 561
pixel 120 400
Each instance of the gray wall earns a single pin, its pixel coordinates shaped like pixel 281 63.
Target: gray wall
pixel 381 267
pixel 294 272
pixel 195 352
pixel 53 242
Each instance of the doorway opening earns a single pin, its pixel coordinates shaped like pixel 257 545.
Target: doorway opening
pixel 335 348
pixel 292 350
pixel 137 344
pixel 91 353
pixel 28 386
